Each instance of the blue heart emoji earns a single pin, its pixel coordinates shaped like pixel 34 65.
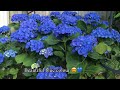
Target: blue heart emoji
pixel 79 69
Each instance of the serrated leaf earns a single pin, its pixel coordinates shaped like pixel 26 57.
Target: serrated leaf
pixel 59 54
pixel 109 48
pixel 95 55
pixel 101 48
pixel 72 61
pixel 116 16
pixel 82 25
pixel 27 74
pixel 13 71
pixel 100 77
pixel 28 61
pixel 103 26
pixel 20 58
pixel 51 40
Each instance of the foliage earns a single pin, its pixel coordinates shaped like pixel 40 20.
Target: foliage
pixel 59 46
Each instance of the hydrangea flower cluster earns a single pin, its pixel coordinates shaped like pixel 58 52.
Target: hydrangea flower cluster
pixel 19 17
pixel 4 40
pixel 100 32
pixel 84 44
pixel 55 14
pixel 57 74
pixel 4 29
pixel 23 35
pixel 63 29
pixel 1 58
pixel 106 33
pixel 92 18
pixel 35 17
pixel 43 38
pixel 31 24
pixel 46 52
pixel 47 25
pixel 10 53
pixel 35 45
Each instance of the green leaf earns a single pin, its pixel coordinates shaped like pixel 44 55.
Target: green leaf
pixel 109 48
pixel 95 55
pixel 28 61
pixel 57 47
pixel 72 61
pixel 82 25
pixel 59 54
pixel 108 41
pixel 27 74
pixel 118 15
pixel 51 40
pixel 15 76
pixel 101 48
pixel 94 69
pixel 56 21
pixel 89 29
pixel 100 77
pixel 20 58
pixel 13 71
pixel 103 26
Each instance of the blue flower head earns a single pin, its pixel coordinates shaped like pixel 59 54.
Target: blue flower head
pixel 105 23
pixel 84 44
pixel 23 35
pixel 55 14
pixel 102 33
pixel 4 29
pixel 63 29
pixel 70 13
pixel 35 45
pixel 19 17
pixel 56 74
pixel 10 53
pixel 46 52
pixel 31 24
pixel 46 26
pixel 1 58
pixel 35 17
pixel 92 18
pixel 4 40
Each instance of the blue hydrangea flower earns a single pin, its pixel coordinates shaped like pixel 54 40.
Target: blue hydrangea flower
pixel 35 45
pixel 102 33
pixel 68 19
pixel 23 35
pixel 46 52
pixel 35 17
pixel 31 24
pixel 105 23
pixel 10 53
pixel 63 29
pixel 19 17
pixel 4 40
pixel 46 26
pixel 84 44
pixel 4 29
pixel 92 18
pixel 55 14
pixel 1 58
pixel 115 34
pixel 57 74
pixel 43 38
pixel 70 13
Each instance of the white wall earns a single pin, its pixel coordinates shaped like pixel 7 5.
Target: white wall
pixel 4 18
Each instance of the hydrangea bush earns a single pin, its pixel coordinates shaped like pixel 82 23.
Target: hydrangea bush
pixel 49 47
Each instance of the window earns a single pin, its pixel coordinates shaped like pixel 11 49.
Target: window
pixel 4 18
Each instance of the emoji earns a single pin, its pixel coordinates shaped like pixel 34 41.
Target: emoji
pixel 73 69
pixel 79 69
